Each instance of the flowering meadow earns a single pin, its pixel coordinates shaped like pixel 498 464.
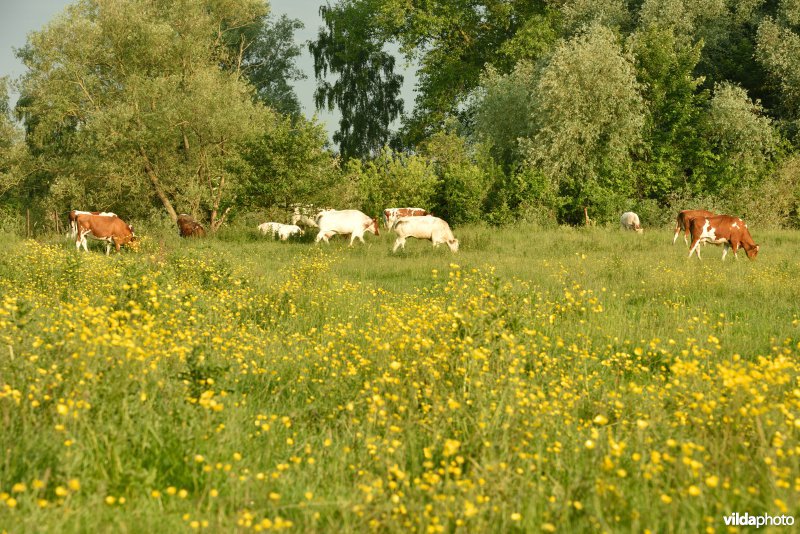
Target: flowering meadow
pixel 559 381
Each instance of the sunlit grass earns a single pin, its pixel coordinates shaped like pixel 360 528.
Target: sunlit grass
pixel 571 380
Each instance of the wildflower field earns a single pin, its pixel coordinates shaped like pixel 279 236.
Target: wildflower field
pixel 565 380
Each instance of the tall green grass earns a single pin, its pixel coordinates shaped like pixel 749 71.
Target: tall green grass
pixel 569 379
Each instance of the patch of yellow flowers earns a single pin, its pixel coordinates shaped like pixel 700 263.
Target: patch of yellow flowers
pixel 474 403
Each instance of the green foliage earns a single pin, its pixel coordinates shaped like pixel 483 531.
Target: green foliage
pixel 269 63
pixel 288 164
pixel 463 184
pixel 741 137
pixel 12 149
pixel 675 101
pixel 130 94
pixel 394 179
pixel 589 120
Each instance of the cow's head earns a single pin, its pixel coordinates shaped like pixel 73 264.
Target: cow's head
pixel 752 252
pixel 453 244
pixel 372 226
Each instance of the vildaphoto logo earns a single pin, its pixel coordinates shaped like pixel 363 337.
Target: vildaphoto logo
pixel 746 520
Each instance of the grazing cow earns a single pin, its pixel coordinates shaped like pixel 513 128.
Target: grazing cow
pixel 725 230
pixel 288 230
pixel 425 227
pixel 390 215
pixel 73 219
pixel 684 222
pixel 630 221
pixel 303 220
pixel 283 231
pixel 188 227
pixel 351 222
pixel 104 228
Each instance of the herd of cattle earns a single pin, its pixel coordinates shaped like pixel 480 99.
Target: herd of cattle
pixel 703 227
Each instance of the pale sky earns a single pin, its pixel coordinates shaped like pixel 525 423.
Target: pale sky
pixel 20 17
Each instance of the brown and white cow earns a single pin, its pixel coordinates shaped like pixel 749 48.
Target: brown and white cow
pixel 188 227
pixel 109 229
pixel 351 222
pixel 726 230
pixel 684 221
pixel 390 215
pixel 73 219
pixel 426 227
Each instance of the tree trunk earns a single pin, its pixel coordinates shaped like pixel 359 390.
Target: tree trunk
pixel 151 173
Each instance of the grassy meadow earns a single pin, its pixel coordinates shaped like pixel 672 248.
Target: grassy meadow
pixel 567 380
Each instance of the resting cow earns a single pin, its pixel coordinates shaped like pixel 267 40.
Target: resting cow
pixel 684 221
pixel 390 215
pixel 426 227
pixel 188 227
pixel 351 222
pixel 630 221
pixel 73 219
pixel 725 230
pixel 109 229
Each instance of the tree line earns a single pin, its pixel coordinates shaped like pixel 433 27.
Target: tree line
pixel 525 110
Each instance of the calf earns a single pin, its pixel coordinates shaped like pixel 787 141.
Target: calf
pixel 351 222
pixel 684 221
pixel 630 221
pixel 725 230
pixel 104 228
pixel 188 227
pixel 426 227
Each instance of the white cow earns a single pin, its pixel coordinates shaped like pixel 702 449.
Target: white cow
pixel 351 222
pixel 283 231
pixel 288 230
pixel 269 228
pixel 425 227
pixel 630 221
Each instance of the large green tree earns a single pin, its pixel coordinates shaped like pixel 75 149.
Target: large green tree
pixel 12 149
pixel 366 90
pixel 125 102
pixel 589 120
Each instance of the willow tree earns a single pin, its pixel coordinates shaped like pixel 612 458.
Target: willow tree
pixel 589 117
pixel 128 101
pixel 12 150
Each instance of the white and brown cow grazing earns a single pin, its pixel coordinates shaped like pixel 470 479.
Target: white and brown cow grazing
pixel 684 222
pixel 104 228
pixel 73 219
pixel 630 221
pixel 188 227
pixel 726 230
pixel 390 215
pixel 351 222
pixel 425 227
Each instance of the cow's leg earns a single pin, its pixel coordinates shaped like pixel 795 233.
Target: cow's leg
pixel 725 247
pixel 735 246
pixel 320 235
pixel 398 243
pixel 694 248
pixel 108 247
